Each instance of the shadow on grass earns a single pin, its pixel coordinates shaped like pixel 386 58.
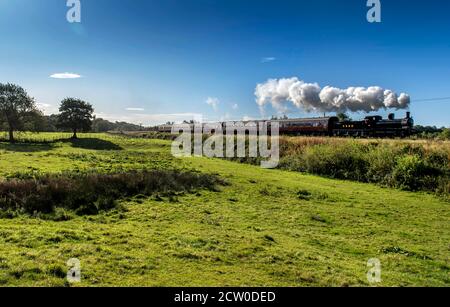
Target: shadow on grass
pixel 32 146
pixel 26 147
pixel 92 144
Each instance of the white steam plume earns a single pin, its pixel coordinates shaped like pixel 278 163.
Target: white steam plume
pixel 312 98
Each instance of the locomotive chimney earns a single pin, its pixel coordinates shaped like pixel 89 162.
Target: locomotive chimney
pixel 391 116
pixel 408 115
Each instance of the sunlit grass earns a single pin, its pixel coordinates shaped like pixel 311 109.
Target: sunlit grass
pixel 267 228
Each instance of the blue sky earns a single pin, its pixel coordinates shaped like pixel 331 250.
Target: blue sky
pixel 153 61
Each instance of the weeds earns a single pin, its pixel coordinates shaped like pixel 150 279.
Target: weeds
pixel 91 193
pixel 404 164
pixel 410 167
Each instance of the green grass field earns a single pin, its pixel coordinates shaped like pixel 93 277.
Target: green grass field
pixel 266 228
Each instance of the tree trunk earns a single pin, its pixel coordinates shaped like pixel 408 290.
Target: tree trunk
pixel 74 134
pixel 11 136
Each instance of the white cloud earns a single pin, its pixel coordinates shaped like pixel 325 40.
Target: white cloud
pixel 225 118
pixel 65 75
pixel 213 102
pixel 135 109
pixel 46 108
pixel 281 93
pixel 235 107
pixel 43 105
pixel 268 59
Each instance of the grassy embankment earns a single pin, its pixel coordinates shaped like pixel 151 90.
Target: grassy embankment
pixel 411 165
pixel 267 227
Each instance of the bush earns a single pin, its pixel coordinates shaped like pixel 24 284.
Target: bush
pixel 408 172
pixel 93 193
pixel 342 162
pixel 445 134
pixel 380 163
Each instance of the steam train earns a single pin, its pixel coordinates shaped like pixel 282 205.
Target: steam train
pixel 371 126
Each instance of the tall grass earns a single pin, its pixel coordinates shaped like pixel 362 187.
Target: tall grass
pixel 35 137
pixel 91 193
pixel 405 164
pixel 399 164
pixel 415 165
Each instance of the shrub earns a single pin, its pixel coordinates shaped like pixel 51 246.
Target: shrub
pixel 340 161
pixel 380 163
pixel 445 134
pixel 408 171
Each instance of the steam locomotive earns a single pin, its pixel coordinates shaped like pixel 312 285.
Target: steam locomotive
pixel 371 126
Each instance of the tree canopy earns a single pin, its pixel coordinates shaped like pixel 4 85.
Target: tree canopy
pixel 343 117
pixel 76 115
pixel 15 107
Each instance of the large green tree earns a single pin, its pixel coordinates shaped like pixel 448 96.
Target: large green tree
pixel 76 115
pixel 15 107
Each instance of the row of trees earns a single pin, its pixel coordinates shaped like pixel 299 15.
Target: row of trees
pixel 432 132
pixel 18 108
pixel 49 123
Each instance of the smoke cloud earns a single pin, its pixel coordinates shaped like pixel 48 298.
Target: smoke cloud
pixel 312 98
